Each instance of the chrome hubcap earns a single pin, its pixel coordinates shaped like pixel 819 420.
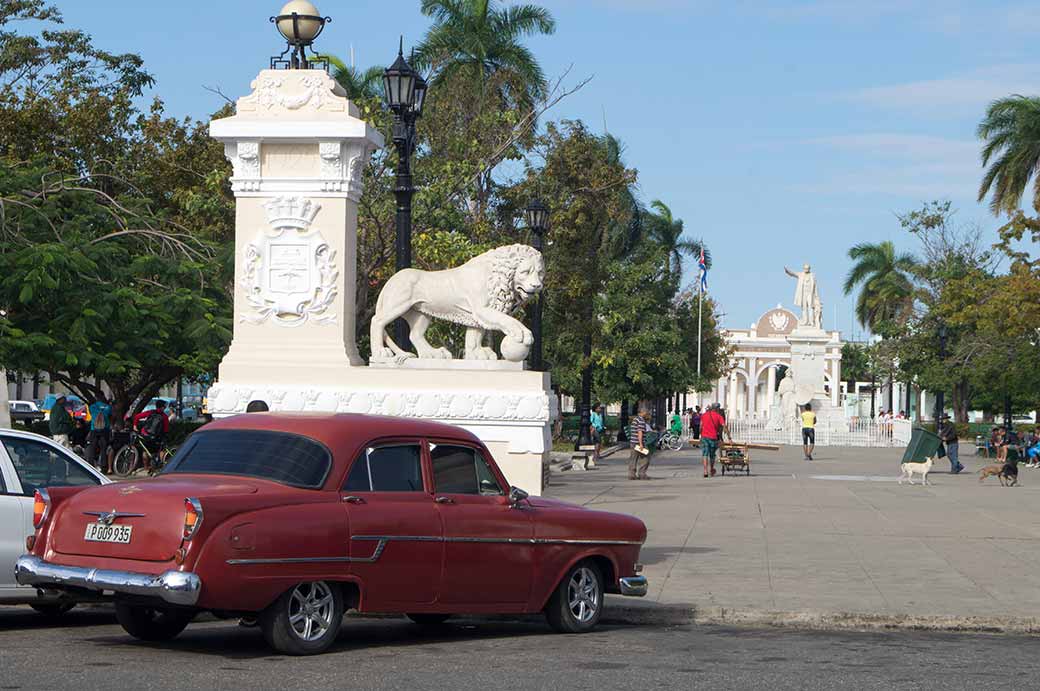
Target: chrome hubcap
pixel 310 610
pixel 583 595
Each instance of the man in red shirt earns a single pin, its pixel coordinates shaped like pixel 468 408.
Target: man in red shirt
pixel 713 425
pixel 153 432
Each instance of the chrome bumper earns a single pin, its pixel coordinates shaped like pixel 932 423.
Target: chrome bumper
pixel 633 586
pixel 175 587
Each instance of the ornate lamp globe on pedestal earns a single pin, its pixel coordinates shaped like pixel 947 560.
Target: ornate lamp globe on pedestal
pixel 299 23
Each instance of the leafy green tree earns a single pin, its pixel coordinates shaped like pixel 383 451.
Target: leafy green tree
pixel 360 85
pixel 481 38
pixel 886 283
pixel 668 231
pixel 1010 131
pixel 115 265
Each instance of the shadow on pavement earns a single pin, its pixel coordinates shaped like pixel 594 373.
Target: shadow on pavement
pixel 657 554
pixel 377 637
pixel 22 617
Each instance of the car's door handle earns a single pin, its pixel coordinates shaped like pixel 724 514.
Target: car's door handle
pixel 351 499
pixel 444 500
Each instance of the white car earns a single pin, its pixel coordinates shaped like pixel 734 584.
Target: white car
pixel 29 461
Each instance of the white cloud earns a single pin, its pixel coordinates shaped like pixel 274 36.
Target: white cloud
pixel 897 145
pixel 970 90
pixel 839 10
pixel 913 166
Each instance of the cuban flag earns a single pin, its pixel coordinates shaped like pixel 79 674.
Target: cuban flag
pixel 704 271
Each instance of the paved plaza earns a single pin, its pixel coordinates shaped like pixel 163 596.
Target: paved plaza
pixel 833 542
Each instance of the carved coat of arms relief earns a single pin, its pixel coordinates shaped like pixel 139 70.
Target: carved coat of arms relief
pixel 289 273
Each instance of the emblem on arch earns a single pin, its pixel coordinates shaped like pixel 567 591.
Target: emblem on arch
pixel 779 320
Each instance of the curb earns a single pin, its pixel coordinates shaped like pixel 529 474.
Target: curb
pixel 677 615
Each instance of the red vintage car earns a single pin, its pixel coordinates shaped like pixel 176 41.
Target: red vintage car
pixel 293 519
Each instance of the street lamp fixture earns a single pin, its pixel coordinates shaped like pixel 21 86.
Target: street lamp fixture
pixel 399 84
pixel 537 215
pixel 405 92
pixel 299 23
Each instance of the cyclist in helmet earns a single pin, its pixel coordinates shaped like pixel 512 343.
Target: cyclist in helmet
pixel 153 426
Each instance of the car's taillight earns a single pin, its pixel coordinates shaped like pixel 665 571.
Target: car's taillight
pixel 41 505
pixel 192 517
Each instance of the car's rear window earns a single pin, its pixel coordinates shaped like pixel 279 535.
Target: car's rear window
pixel 279 456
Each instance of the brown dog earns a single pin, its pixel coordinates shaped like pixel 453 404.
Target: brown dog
pixel 994 469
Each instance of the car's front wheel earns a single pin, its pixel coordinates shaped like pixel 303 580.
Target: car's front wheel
pixel 304 620
pixel 152 623
pixel 577 603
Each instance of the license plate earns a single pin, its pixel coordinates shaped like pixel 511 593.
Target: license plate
pixel 99 532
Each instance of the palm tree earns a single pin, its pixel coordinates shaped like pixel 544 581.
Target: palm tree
pixel 668 232
pixel 1011 132
pixel 886 278
pixel 359 85
pixel 480 38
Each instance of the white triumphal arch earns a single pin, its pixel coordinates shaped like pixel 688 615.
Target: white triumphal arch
pixel 750 388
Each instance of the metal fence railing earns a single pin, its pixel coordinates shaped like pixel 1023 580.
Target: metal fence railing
pixel 832 432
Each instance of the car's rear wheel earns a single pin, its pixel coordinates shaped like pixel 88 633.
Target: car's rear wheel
pixel 305 620
pixel 126 460
pixel 152 623
pixel 577 603
pixel 52 609
pixel 429 620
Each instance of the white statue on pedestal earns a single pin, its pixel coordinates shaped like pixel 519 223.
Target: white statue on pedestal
pixel 481 294
pixel 788 404
pixel 807 297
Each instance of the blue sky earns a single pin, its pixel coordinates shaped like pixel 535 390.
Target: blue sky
pixel 780 132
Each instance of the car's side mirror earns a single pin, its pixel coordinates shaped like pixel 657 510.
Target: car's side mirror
pixel 516 495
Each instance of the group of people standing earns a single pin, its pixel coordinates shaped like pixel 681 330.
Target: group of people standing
pixel 708 427
pixel 96 437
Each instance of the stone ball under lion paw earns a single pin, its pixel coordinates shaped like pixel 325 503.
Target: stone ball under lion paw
pixel 514 350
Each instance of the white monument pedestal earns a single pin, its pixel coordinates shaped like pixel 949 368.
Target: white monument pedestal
pixel 509 411
pixel 298 149
pixel 809 367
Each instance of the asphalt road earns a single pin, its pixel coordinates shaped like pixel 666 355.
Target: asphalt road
pixel 87 650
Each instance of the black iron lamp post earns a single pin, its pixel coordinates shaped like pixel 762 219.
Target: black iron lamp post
pixel 940 397
pixel 405 93
pixel 537 214
pixel 299 23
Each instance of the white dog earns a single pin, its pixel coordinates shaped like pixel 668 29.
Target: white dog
pixel 921 469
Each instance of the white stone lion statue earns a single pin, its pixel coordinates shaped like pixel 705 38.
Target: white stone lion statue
pixel 481 294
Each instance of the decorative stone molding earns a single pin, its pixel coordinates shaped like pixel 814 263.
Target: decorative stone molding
pixel 459 407
pixel 245 164
pixel 277 93
pixel 289 272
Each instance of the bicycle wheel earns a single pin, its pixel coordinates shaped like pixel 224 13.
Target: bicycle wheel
pixel 675 442
pixel 126 460
pixel 161 459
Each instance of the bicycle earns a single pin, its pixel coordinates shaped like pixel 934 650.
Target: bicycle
pixel 130 456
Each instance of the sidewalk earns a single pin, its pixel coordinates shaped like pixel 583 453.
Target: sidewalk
pixel 834 542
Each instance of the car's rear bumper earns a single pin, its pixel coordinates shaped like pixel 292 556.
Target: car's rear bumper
pixel 174 587
pixel 633 586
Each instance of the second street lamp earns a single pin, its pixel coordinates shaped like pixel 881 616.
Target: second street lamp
pixel 537 214
pixel 405 93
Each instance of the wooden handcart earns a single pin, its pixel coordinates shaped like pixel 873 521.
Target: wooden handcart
pixel 735 457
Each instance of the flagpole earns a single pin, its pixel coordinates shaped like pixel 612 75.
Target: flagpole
pixel 700 302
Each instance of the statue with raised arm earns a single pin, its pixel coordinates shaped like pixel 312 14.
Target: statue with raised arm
pixel 807 297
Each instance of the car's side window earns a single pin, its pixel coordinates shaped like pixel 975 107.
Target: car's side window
pixel 462 470
pixel 38 465
pixel 396 468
